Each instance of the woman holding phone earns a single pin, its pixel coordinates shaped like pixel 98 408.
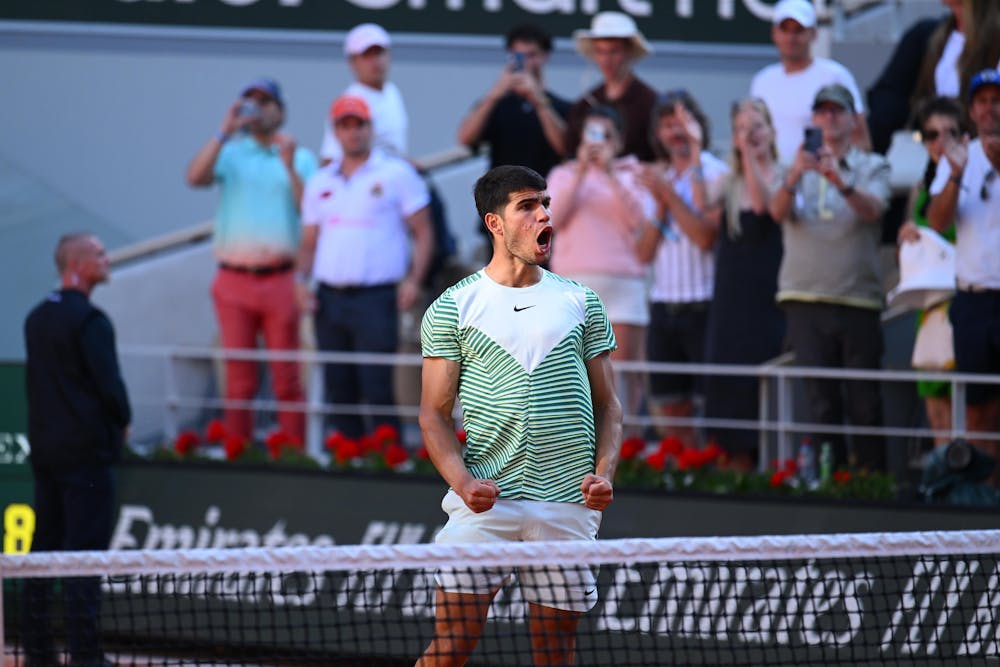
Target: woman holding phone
pixel 599 211
pixel 745 325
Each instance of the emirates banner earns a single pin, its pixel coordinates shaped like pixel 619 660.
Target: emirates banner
pixel 719 21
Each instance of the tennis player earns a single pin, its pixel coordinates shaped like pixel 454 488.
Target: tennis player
pixel 527 352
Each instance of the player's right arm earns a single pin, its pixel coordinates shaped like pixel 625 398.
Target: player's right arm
pixel 439 389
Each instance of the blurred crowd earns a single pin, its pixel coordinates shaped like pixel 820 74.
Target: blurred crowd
pixel 703 255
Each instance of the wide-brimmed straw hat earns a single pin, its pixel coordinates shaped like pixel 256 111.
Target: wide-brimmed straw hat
pixel 611 25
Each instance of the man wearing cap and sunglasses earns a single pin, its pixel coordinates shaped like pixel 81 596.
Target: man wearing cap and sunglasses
pixel 966 193
pixel 367 49
pixel 830 206
pixel 261 173
pixel 359 214
pixel 614 43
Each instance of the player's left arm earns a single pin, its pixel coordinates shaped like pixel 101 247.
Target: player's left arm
pixel 597 488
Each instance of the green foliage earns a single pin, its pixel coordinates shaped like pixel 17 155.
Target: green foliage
pixel 673 467
pixel 668 465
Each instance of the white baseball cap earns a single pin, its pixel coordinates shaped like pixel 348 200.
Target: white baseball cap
pixel 800 11
pixel 363 37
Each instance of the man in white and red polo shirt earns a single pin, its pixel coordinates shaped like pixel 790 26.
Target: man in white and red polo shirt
pixel 360 214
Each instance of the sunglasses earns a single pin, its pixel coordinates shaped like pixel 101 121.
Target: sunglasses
pixel 932 135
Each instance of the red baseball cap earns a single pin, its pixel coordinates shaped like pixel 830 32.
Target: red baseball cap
pixel 350 105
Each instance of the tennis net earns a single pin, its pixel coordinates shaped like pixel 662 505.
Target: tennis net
pixel 887 598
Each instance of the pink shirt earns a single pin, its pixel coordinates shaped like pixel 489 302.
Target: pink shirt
pixel 597 232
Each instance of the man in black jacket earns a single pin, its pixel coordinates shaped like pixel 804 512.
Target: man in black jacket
pixel 78 414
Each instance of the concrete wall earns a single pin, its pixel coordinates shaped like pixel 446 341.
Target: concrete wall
pixel 105 120
pixel 99 122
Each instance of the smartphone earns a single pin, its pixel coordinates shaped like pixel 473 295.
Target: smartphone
pixel 249 109
pixel 593 133
pixel 517 60
pixel 813 139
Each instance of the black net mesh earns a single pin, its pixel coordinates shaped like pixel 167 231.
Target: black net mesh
pixel 929 599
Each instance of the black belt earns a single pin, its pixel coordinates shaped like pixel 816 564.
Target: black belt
pixel 355 289
pixel 673 307
pixel 976 289
pixel 259 270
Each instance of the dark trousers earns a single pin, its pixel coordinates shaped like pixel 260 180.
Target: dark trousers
pixel 73 512
pixel 676 334
pixel 975 319
pixel 358 319
pixel 837 336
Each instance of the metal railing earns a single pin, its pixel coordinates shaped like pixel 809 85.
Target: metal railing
pixel 775 421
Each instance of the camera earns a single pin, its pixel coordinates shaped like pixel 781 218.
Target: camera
pixel 516 60
pixel 594 133
pixel 813 140
pixel 249 109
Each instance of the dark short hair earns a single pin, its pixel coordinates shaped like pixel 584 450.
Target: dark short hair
pixel 942 106
pixel 665 105
pixel 529 32
pixel 66 248
pixel 493 189
pixel 611 114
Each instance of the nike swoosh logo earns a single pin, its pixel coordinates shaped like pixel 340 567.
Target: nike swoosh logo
pixel 518 310
pixel 592 590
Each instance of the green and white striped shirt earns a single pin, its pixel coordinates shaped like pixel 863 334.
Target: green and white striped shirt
pixel 524 388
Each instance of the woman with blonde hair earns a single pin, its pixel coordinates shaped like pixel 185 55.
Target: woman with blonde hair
pixel 745 325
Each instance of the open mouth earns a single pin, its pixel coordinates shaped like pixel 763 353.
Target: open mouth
pixel 544 239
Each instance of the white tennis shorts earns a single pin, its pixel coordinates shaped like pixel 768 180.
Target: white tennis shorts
pixel 569 589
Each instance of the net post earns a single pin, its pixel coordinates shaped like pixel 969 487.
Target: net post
pixel 3 643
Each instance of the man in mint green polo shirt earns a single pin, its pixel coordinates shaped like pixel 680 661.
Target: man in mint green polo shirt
pixel 261 173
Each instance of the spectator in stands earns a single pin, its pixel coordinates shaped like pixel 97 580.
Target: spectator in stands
pixel 78 417
pixel 745 325
pixel 935 57
pixel 681 248
pixel 599 211
pixel 359 213
pixel 523 122
pixel 829 206
pixel 939 119
pixel 614 43
pixel 527 353
pixel 962 44
pixel 367 49
pixel 966 193
pixel 261 172
pixel 909 75
pixel 788 86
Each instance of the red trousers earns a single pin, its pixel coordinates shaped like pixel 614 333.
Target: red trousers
pixel 245 305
